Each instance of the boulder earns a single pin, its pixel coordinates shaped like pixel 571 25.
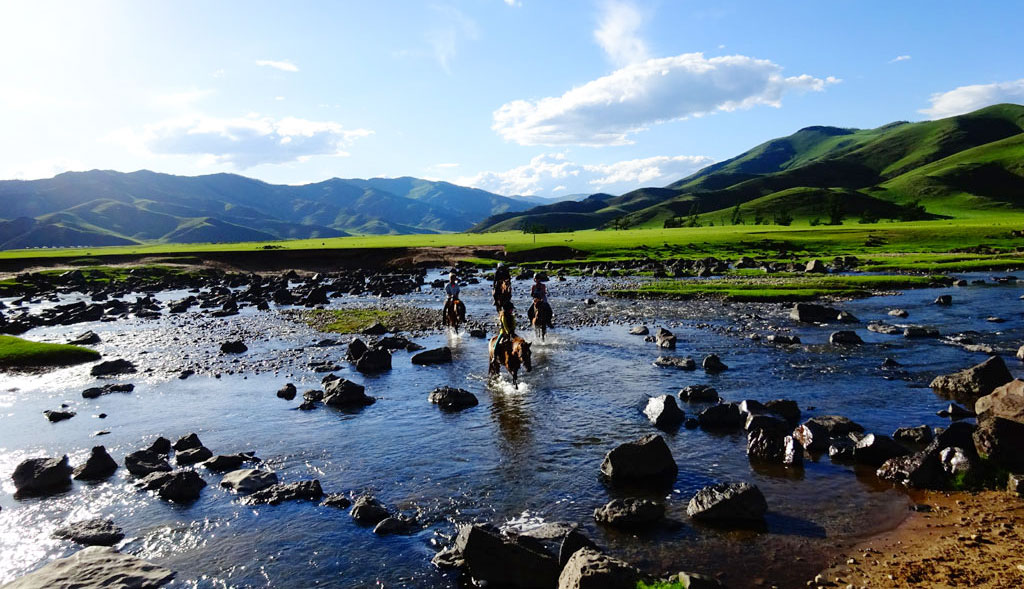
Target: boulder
pixel 161 445
pixel 356 349
pixel 810 313
pixel 898 313
pixel 750 407
pixel 93 532
pixel 1015 484
pixel 435 356
pixel 337 501
pixel 841 449
pixel 499 561
pixel 96 392
pixel 639 330
pixel 344 393
pixel 1006 401
pixel 281 492
pixel 313 396
pixel 88 338
pixel 152 481
pixel 712 363
pixel 874 450
pixel 248 480
pixel 846 317
pixel 589 569
pixel 724 416
pixel 783 340
pixel 112 367
pixel 182 486
pixel 1001 441
pixel 786 409
pixel 699 393
pixel 920 435
pixel 755 421
pixel 921 470
pixel 686 363
pixel 396 524
pixel 885 328
pixel 374 360
pixel 815 434
pixel 97 467
pixel 917 331
pixel 844 338
pixel 234 347
pixel 145 462
pixel 646 460
pixel 53 416
pixel 816 266
pixel 573 541
pixel 452 399
pixel 728 502
pixel 959 464
pixel 95 567
pixel 663 412
pixel 974 382
pixel 478 333
pixel 665 338
pixel 630 512
pixel 42 476
pixel 765 445
pixel 944 300
pixel 187 442
pixel 368 511
pixel 697 581
pixel 192 456
pixel 375 329
pixel 287 392
pixel 228 462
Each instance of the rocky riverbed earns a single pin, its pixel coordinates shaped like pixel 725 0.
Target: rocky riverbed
pixel 518 459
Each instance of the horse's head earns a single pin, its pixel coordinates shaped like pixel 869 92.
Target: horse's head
pixel 524 355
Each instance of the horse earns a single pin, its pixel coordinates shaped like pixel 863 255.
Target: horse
pixel 512 354
pixel 451 316
pixel 502 293
pixel 540 316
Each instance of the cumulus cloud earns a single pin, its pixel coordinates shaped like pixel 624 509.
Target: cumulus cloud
pixel 244 142
pixel 549 173
pixel 618 33
pixel 899 58
pixel 284 65
pixel 968 98
pixel 606 111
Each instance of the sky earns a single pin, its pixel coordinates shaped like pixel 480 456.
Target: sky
pixel 533 97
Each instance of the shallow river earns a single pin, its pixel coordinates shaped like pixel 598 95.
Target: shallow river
pixel 520 458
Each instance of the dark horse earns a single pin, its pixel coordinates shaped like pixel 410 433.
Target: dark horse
pixel 453 313
pixel 512 354
pixel 540 316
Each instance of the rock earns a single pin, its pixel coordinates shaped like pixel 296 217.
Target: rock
pixel 182 486
pixel 664 338
pixel 816 266
pixel 374 360
pixel 228 462
pixel 152 481
pixel 899 313
pixel 728 502
pixel 248 480
pixel 313 396
pixel 187 442
pixel 97 467
pixel 816 433
pixel 573 541
pixel 496 560
pixel 375 329
pixel 712 363
pixel 721 416
pixel 920 435
pixel 42 476
pixel 630 512
pixel 663 412
pixel 161 445
pixel 890 363
pixel 589 301
pixel 435 356
pixel 954 411
pixel 1006 401
pixel 336 500
pixel 763 421
pixel 88 338
pixel 588 568
pixel 639 330
pixel 976 381
pixel 783 340
pixel 844 338
pixel 287 392
pixel 686 363
pixel 344 393
pixel 884 328
pixel 1015 484
pixel 55 416
pixel 276 494
pixel 958 463
pixel 943 300
pixel 786 409
pixel 1001 441
pixel 917 331
pixel 93 532
pixel 477 333
pixel 874 450
pixel 699 393
pixel 95 567
pixel 234 347
pixel 920 470
pixel 356 349
pixel 750 407
pixel 307 405
pixel 766 445
pixel 698 581
pixel 144 462
pixel 646 460
pixel 841 450
pixel 846 317
pixel 395 525
pixel 452 399
pixel 96 392
pixel 368 511
pixel 112 367
pixel 192 456
pixel 1020 353
pixel 809 313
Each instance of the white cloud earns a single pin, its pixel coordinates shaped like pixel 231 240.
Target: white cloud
pixel 899 58
pixel 243 142
pixel 284 65
pixel 617 33
pixel 606 111
pixel 554 172
pixel 38 169
pixel 514 3
pixel 968 98
pixel 445 39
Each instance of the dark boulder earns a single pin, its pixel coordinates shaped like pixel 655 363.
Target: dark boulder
pixel 287 392
pixel 93 532
pixel 783 340
pixel 337 501
pixel 374 360
pixel 816 433
pixel 786 409
pixel 161 445
pixel 497 560
pixel 1002 442
pixel 344 393
pixel 452 399
pixel 435 356
pixel 974 382
pixel 588 568
pixel 96 392
pixel 944 300
pixel 874 450
pixel 182 486
pixel 144 462
pixel 712 363
pixel 97 467
pixel 724 416
pixel 773 447
pixel 368 511
pixel 53 416
pixel 356 349
pixel 248 480
pixel 646 460
pixel 112 367
pixel 42 476
pixel 728 502
pixel 88 338
pixel 699 393
pixel 630 512
pixel 920 435
pixel 375 329
pixel 228 462
pixel 281 492
pixel 395 524
pixel 664 338
pixel 686 363
pixel 192 456
pixel 663 412
pixel 921 470
pixel 810 313
pixel 187 442
pixel 234 347
pixel 844 338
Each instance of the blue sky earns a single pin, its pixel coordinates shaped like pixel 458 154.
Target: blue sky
pixel 515 96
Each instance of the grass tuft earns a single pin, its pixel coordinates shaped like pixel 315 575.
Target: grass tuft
pixel 20 353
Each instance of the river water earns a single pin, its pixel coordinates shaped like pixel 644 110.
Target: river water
pixel 522 457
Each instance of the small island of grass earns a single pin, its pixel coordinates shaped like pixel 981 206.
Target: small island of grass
pixel 23 354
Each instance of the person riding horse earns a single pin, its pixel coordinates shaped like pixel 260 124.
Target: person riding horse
pixel 502 286
pixel 451 292
pixel 539 294
pixel 506 325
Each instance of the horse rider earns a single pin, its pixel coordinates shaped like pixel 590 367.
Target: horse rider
pixel 506 325
pixel 502 286
pixel 539 294
pixel 451 292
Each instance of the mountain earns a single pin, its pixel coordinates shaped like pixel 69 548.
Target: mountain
pixel 956 167
pixel 112 208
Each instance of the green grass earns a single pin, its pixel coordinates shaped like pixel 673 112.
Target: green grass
pixel 346 320
pixel 660 585
pixel 20 353
pixel 774 288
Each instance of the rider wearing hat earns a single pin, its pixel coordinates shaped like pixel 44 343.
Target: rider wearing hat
pixel 502 292
pixel 451 292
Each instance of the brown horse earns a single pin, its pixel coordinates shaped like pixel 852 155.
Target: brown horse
pixel 540 316
pixel 453 314
pixel 512 354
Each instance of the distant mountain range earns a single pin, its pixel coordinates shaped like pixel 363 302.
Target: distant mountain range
pixel 960 166
pixel 112 208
